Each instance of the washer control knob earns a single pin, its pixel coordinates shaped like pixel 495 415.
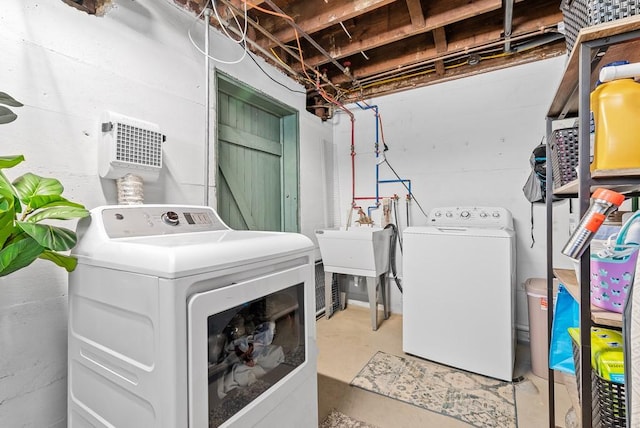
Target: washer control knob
pixel 438 214
pixel 483 214
pixel 171 218
pixel 496 214
pixel 449 214
pixel 465 214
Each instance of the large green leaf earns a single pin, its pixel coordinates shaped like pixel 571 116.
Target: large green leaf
pixel 67 262
pixel 6 190
pixel 50 237
pixel 7 99
pixel 7 215
pixel 58 213
pixel 30 185
pixel 10 161
pixel 18 254
pixel 47 201
pixel 6 115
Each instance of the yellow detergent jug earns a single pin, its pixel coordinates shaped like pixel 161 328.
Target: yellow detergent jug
pixel 616 115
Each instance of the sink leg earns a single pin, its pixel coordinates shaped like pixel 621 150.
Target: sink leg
pixel 342 295
pixel 384 291
pixel 328 302
pixel 373 300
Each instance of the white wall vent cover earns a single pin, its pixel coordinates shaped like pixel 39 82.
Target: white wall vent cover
pixel 129 146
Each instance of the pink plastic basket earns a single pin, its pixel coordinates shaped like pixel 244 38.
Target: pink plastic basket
pixel 611 278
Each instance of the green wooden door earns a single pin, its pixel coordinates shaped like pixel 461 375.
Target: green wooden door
pixel 257 153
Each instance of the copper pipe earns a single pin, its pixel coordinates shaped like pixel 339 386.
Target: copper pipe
pixel 310 39
pixel 271 37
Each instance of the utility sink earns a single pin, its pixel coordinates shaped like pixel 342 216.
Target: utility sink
pixel 359 251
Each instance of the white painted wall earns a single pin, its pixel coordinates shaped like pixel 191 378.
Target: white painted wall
pixel 68 67
pixel 463 142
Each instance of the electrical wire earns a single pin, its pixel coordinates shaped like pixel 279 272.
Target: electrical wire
pixel 274 80
pixel 235 18
pixel 295 32
pixel 199 49
pixel 315 82
pixel 321 91
pixel 405 186
pixel 385 160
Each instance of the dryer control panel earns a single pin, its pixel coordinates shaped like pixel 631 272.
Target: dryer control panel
pixel 485 217
pixel 127 221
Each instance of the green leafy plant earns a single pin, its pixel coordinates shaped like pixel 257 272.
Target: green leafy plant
pixel 24 204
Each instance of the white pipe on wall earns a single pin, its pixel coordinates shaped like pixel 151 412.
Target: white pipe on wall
pixel 207 16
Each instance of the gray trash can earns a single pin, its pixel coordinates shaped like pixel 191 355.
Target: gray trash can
pixel 538 336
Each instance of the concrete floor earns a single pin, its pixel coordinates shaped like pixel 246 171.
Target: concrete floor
pixel 346 343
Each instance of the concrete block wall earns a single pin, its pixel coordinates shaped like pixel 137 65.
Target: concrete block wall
pixel 68 67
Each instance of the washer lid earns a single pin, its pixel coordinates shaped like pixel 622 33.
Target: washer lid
pixel 172 241
pixel 470 231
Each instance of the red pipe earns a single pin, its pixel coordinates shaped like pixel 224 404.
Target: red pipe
pixel 371 198
pixel 341 106
pixel 353 160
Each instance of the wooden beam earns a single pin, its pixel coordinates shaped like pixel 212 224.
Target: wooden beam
pixel 88 6
pixel 461 45
pixel 462 37
pixel 317 16
pixel 549 51
pixel 415 11
pixel 250 3
pixel 439 16
pixel 440 39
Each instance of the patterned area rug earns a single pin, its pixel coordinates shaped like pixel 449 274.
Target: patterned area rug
pixel 477 400
pixel 340 420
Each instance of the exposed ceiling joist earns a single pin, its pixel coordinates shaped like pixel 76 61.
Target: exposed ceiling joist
pixel 440 40
pixel 415 12
pixel 317 16
pixel 439 16
pixel 353 48
pixel 460 44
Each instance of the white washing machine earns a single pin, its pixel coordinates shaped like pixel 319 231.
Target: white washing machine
pixel 177 321
pixel 459 281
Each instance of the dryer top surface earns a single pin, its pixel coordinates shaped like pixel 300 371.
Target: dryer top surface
pixel 175 240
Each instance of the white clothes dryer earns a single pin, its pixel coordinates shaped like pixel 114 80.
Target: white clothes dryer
pixel 175 320
pixel 458 280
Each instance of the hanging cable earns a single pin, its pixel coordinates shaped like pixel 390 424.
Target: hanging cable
pixel 235 18
pixel 206 54
pixel 392 254
pixel 274 80
pixel 316 82
pixel 385 160
pixel 395 214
